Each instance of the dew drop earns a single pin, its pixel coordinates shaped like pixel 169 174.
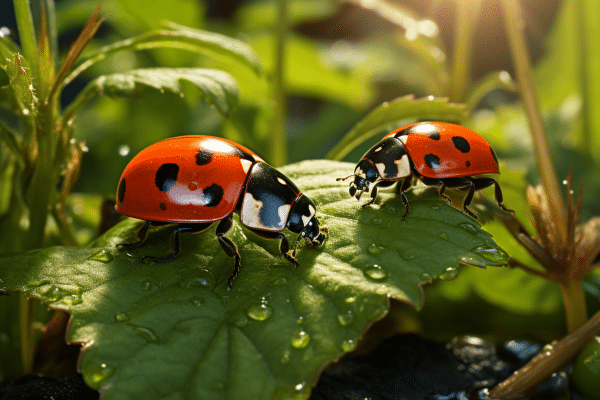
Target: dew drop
pixel 382 290
pixel 197 301
pixel 280 282
pixel 350 299
pixel 72 299
pixel 121 317
pixel 346 318
pixel 449 273
pixel 148 285
pixel 379 313
pixel 285 357
pixel 565 182
pixel 146 333
pixel 102 256
pixel 491 254
pixel 348 345
pixel 425 277
pixel 300 320
pixel 202 278
pixel 406 255
pixel 469 227
pixel 26 111
pixel 241 321
pixel 53 293
pixel 376 221
pixel 300 340
pixel 375 272
pixel 374 249
pixel 443 235
pixel 260 312
pixel 95 374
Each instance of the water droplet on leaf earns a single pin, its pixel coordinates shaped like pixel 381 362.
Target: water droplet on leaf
pixel 300 340
pixel 375 272
pixel 148 285
pixel 374 249
pixel 102 256
pixel 260 312
pixel 449 273
pixel 146 333
pixel 346 318
pixel 491 254
pixel 348 345
pixel 95 374
pixel 469 227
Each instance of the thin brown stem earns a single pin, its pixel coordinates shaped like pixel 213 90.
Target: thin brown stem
pixel 552 358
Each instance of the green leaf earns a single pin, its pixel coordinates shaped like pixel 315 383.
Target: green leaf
pixel 177 326
pixel 21 85
pixel 219 87
pixel 180 37
pixel 393 114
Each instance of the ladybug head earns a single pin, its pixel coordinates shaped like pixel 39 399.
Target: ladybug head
pixel 364 174
pixel 302 220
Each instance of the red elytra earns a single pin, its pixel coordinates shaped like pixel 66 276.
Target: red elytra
pixel 226 162
pixel 437 153
pixel 461 151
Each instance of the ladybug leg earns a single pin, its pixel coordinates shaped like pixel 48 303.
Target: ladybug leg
pixel 175 248
pixel 375 189
pixel 140 235
pixel 482 183
pixel 464 184
pixel 284 245
pixel 406 184
pixel 229 247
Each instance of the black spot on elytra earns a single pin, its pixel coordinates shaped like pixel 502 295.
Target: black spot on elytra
pixel 461 144
pixel 212 195
pixel 468 164
pixel 162 206
pixel 121 191
pixel 432 161
pixel 203 157
pixel 166 176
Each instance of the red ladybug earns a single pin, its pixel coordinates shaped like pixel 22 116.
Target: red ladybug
pixel 193 181
pixel 437 153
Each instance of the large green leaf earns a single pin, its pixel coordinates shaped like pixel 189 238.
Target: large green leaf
pixel 219 87
pixel 391 114
pixel 20 83
pixel 174 330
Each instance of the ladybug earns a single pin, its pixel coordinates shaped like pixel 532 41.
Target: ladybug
pixel 437 153
pixel 194 181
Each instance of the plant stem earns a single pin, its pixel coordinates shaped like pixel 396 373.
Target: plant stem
pixel 551 359
pixel 520 55
pixel 574 301
pixel 26 321
pixel 278 147
pixel 463 44
pixel 27 35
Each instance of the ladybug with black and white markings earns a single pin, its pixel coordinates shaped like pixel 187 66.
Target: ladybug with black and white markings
pixel 437 153
pixel 194 181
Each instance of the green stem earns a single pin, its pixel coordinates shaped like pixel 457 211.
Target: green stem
pixel 26 321
pixel 463 44
pixel 278 148
pixel 574 302
pixel 27 35
pixel 522 63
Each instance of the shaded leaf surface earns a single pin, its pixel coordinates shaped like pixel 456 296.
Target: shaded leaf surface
pixel 173 330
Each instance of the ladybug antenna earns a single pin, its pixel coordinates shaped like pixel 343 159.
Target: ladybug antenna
pixel 343 179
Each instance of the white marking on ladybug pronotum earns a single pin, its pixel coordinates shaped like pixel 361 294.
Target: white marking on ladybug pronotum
pixel 246 164
pixel 283 182
pixel 403 166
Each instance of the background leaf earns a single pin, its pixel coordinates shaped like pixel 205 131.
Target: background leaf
pixel 177 326
pixel 220 88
